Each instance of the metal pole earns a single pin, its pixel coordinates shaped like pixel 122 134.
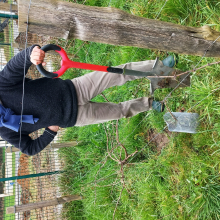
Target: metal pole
pixel 8 16
pixel 29 176
pixel 5 44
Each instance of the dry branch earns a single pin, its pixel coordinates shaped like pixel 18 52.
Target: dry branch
pixel 104 97
pixel 169 110
pixel 188 71
pixel 121 162
pixel 117 203
pixel 41 204
pixel 97 175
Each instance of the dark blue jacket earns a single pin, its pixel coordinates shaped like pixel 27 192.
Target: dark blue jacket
pixel 53 101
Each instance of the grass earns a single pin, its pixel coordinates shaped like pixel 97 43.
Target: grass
pixel 181 181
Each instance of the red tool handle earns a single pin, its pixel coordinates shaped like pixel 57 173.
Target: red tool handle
pixel 66 63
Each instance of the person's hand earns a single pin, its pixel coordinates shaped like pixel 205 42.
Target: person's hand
pixel 37 56
pixel 54 128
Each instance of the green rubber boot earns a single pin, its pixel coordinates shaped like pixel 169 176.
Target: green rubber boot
pixel 170 61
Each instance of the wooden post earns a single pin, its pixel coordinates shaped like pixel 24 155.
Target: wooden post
pixel 42 204
pixel 53 145
pixel 108 25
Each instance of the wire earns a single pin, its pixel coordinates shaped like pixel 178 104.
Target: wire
pixel 25 60
pixel 161 9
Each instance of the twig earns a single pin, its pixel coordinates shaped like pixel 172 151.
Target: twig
pixel 119 161
pixel 113 184
pixel 118 202
pixel 79 49
pixel 112 157
pixel 97 175
pixel 169 110
pixel 189 71
pixel 117 138
pixel 104 97
pixel 109 152
pixel 101 179
pixel 194 70
pixel 131 164
pixel 123 178
pixel 131 155
pixel 115 181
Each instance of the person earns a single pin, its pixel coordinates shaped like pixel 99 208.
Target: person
pixel 53 103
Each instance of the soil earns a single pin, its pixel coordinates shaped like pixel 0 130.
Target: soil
pixel 161 140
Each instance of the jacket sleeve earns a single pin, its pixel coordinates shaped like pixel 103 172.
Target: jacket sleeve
pixel 27 145
pixel 15 69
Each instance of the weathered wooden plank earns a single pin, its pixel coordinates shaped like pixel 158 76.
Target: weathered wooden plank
pixel 113 26
pixel 42 204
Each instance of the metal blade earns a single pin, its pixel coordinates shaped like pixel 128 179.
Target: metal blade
pixel 157 70
pixel 159 83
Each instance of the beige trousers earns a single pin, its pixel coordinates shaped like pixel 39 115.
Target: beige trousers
pixel 92 84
